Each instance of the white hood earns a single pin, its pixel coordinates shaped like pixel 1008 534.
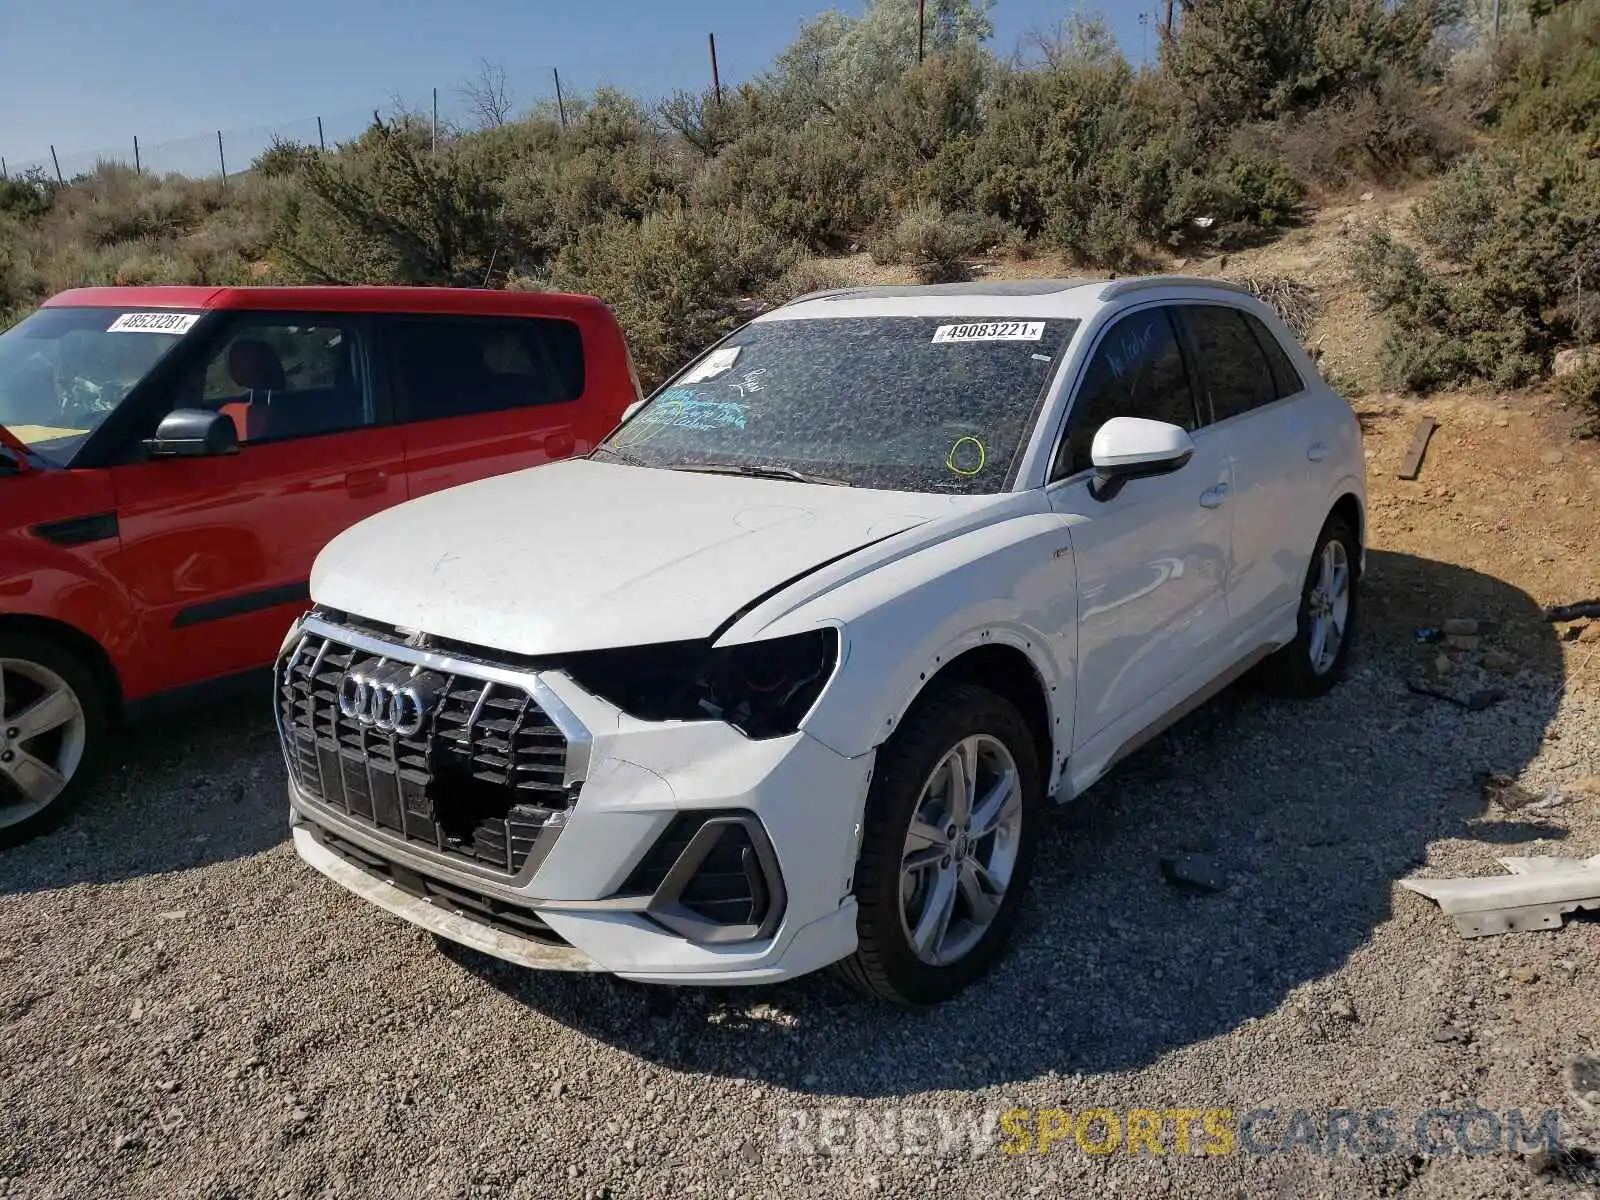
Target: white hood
pixel 581 555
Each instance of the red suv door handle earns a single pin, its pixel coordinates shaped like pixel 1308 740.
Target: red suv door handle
pixel 367 483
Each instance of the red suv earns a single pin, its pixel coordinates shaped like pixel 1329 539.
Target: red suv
pixel 172 460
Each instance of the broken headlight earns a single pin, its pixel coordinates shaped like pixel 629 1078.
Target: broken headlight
pixel 764 689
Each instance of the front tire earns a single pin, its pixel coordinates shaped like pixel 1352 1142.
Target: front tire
pixel 53 711
pixel 1311 664
pixel 952 822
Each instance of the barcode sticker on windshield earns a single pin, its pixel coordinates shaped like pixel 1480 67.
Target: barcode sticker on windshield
pixel 154 322
pixel 991 331
pixel 713 364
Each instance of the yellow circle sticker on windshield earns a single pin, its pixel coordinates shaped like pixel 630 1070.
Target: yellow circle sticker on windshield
pixel 963 453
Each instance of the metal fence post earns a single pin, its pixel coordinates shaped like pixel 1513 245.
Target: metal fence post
pixel 561 105
pixel 321 145
pixel 138 167
pixel 436 120
pixel 922 25
pixel 220 157
pixel 57 162
pixel 4 174
pixel 716 77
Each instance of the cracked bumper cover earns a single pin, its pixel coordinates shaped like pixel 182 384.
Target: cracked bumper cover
pixel 806 797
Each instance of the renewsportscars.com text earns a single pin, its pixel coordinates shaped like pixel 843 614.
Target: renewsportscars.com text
pixel 1331 1133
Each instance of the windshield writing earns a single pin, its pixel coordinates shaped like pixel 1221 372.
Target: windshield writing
pixel 901 403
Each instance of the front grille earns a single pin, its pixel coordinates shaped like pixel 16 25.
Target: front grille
pixel 508 918
pixel 483 779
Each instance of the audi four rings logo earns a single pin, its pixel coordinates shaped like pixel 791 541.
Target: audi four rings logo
pixel 388 698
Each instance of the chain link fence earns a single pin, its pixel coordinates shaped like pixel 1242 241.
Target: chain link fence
pixel 231 151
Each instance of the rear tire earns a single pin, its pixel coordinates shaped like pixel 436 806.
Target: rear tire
pixel 53 726
pixel 940 879
pixel 1310 665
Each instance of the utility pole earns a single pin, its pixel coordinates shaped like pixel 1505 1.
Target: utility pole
pixel 561 105
pixel 716 77
pixel 922 26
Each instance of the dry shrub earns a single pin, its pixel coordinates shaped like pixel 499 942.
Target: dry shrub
pixel 938 244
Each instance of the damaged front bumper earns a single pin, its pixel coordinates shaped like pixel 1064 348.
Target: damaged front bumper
pixel 607 893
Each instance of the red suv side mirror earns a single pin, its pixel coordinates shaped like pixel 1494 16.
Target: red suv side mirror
pixel 193 433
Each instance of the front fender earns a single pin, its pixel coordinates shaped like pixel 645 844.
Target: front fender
pixel 1002 584
pixel 41 581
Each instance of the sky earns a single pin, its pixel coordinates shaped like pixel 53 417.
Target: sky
pixel 88 76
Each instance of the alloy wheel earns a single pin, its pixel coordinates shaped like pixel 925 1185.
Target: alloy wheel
pixel 961 849
pixel 43 731
pixel 1329 606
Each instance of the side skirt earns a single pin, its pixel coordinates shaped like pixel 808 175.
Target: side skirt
pixel 1267 641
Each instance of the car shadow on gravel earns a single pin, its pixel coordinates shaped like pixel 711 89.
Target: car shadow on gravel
pixel 1312 810
pixel 190 788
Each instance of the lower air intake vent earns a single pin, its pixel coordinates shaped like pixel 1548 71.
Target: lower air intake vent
pixel 712 877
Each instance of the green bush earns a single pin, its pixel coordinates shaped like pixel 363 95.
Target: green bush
pixel 804 277
pixel 27 197
pixel 1555 88
pixel 1244 60
pixel 677 280
pixel 1581 390
pixel 387 210
pixel 282 158
pixel 814 184
pixel 937 243
pixel 1390 132
pixel 1448 330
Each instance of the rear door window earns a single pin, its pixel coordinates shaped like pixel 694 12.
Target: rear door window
pixel 1235 371
pixel 1284 374
pixel 459 366
pixel 1137 371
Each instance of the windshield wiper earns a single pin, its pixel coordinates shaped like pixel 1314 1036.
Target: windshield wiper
pixel 754 472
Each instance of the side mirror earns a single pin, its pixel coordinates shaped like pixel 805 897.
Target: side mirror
pixel 1135 448
pixel 193 433
pixel 627 413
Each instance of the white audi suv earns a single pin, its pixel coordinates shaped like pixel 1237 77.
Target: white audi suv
pixel 782 674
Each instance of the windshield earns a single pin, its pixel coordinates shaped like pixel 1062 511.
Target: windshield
pixel 919 404
pixel 63 370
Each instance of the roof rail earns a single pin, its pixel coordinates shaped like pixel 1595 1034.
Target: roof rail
pixel 1139 283
pixel 972 287
pixel 827 292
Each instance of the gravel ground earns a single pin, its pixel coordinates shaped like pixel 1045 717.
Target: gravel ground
pixel 187 1011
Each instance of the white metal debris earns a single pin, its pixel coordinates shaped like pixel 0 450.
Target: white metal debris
pixel 1535 895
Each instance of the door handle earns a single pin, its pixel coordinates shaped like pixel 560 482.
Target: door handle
pixel 1317 451
pixel 1213 497
pixel 366 483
